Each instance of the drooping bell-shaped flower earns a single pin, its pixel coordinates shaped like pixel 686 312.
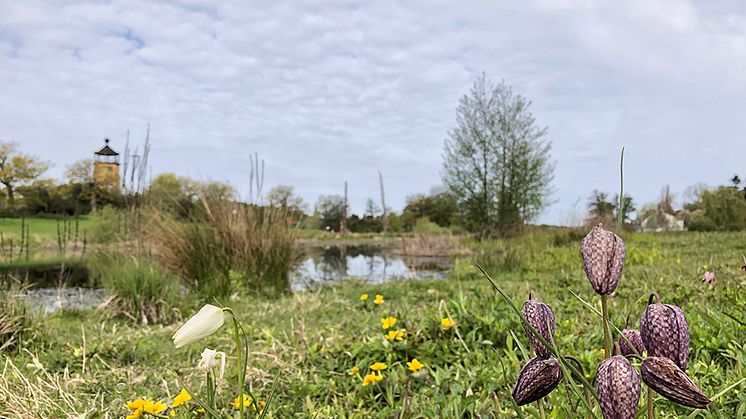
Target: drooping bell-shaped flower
pixel 540 316
pixel 204 323
pixel 536 379
pixel 211 360
pixel 603 254
pixel 633 336
pixel 665 332
pixel 667 379
pixel 618 387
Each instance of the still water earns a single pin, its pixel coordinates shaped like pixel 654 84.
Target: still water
pixel 317 266
pixel 324 265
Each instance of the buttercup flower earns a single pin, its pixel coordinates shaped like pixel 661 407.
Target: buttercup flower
pixel 398 335
pixel 388 322
pixel 447 323
pixel 353 371
pixel 134 415
pixel 372 378
pixel 246 401
pixel 204 323
pixel 363 297
pixel 379 299
pixel 415 365
pixel 135 404
pixel 209 361
pixel 378 366
pixel 181 398
pixel 154 407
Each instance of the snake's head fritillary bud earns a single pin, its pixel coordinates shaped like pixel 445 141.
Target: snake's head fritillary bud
pixel 664 332
pixel 633 336
pixel 667 379
pixel 709 277
pixel 536 379
pixel 603 255
pixel 540 316
pixel 618 386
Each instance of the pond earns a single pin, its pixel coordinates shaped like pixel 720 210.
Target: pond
pixel 322 265
pixel 317 266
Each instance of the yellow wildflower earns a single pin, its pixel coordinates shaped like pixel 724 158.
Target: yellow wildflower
pixel 135 404
pixel 372 378
pixel 399 335
pixel 387 322
pixel 353 371
pixel 379 299
pixel 363 297
pixel 154 407
pixel 378 366
pixel 172 413
pixel 246 401
pixel 200 410
pixel 135 414
pixel 415 365
pixel 181 398
pixel 447 323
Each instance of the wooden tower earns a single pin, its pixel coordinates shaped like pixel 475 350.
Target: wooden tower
pixel 106 168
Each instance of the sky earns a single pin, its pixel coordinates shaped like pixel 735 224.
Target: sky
pixel 334 91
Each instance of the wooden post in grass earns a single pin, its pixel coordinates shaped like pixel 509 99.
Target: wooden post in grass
pixel 383 205
pixel 343 221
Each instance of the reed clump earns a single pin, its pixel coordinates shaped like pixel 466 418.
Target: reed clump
pixel 139 290
pixel 231 244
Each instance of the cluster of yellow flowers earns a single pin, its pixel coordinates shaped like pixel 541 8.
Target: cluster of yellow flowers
pixel 392 335
pixel 377 301
pixel 139 406
pixel 248 401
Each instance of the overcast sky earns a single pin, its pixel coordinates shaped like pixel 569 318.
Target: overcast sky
pixel 333 91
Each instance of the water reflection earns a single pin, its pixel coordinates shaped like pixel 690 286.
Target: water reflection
pixel 323 265
pixel 51 300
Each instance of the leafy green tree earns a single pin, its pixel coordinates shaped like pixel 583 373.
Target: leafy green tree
pixel 440 207
pixel 17 168
pixel 496 161
pixel 330 209
pixel 720 209
pixel 628 208
pixel 172 194
pixel 599 207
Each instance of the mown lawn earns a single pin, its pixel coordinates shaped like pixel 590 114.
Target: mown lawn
pixel 44 227
pixel 305 345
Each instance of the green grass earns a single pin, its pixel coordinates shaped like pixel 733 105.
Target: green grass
pixel 305 344
pixel 44 227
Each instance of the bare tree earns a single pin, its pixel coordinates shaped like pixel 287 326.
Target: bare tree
pixel 383 206
pixel 343 220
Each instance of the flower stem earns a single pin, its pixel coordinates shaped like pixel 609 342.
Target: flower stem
pixel 607 331
pixel 651 413
pixel 241 363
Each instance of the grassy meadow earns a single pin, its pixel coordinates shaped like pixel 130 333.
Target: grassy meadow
pixel 312 350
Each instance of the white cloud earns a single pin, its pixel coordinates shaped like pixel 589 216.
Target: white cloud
pixel 334 91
